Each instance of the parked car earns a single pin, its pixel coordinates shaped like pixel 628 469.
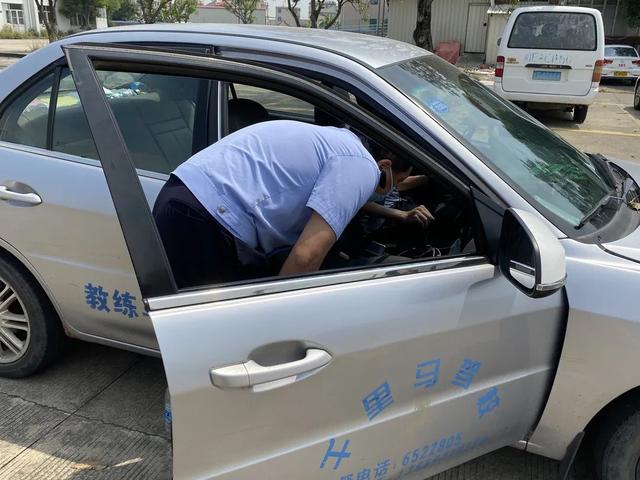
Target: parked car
pixel 621 62
pixel 636 95
pixel 551 55
pixel 402 369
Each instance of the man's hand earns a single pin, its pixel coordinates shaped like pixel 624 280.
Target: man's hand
pixel 311 248
pixel 419 214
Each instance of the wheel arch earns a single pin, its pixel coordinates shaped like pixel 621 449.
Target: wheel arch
pixel 630 397
pixel 10 254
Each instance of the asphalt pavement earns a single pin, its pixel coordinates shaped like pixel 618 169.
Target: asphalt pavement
pixel 97 414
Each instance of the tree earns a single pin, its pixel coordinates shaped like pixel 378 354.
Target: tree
pixel 151 10
pixel 422 32
pixel 633 13
pixel 316 19
pixel 48 18
pixel 179 11
pixel 243 9
pixel 85 10
pixel 126 11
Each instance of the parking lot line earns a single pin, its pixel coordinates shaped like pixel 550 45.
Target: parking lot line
pixel 599 132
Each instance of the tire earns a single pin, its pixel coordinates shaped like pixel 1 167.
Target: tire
pixel 31 336
pixel 636 96
pixel 617 445
pixel 580 113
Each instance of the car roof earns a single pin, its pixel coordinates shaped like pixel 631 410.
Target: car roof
pixel 371 50
pixel 557 9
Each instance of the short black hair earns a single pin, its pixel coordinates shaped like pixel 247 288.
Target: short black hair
pixel 398 163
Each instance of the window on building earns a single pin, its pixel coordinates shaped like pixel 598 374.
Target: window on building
pixel 43 13
pixel 15 14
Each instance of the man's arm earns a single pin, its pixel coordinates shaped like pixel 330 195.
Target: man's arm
pixel 311 248
pixel 419 214
pixel 412 182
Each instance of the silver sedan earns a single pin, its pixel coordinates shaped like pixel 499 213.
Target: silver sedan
pixel 511 320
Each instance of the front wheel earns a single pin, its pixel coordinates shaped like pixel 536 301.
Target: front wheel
pixel 31 336
pixel 580 113
pixel 636 96
pixel 617 446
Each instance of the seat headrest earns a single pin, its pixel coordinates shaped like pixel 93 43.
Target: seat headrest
pixel 244 112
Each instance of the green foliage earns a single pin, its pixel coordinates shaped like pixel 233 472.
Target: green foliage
pixel 632 12
pixel 178 11
pixel 244 10
pixel 86 9
pixel 126 11
pixel 8 33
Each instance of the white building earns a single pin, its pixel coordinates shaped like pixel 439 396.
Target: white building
pixel 23 16
pixel 215 12
pixel 467 21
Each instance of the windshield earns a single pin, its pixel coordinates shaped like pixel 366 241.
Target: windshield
pixel 554 31
pixel 542 167
pixel 620 52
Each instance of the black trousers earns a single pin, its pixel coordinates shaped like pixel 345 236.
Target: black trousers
pixel 200 250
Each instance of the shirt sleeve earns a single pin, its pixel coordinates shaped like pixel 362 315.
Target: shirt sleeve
pixel 344 185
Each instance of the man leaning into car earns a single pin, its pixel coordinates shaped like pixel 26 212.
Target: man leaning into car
pixel 271 187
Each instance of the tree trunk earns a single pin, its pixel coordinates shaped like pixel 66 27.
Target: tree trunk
pixel 292 9
pixel 313 15
pixel 422 33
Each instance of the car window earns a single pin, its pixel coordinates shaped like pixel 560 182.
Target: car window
pixel 620 52
pixel 554 30
pixel 25 120
pixel 276 103
pixel 71 133
pixel 156 115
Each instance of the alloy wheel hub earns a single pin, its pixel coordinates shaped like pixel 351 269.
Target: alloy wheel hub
pixel 14 325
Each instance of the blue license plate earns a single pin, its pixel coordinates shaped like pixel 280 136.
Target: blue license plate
pixel 546 75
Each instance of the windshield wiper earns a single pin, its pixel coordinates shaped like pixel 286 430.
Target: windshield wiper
pixel 604 201
pixel 604 167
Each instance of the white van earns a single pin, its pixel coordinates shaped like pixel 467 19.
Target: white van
pixel 551 55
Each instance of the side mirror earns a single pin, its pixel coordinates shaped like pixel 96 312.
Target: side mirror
pixel 499 41
pixel 530 256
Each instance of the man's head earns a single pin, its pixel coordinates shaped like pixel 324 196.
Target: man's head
pixel 393 168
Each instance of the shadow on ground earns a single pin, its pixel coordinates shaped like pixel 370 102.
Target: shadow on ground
pixel 96 414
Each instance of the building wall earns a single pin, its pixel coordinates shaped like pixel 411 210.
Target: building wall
pixel 284 17
pixel 206 14
pixel 448 20
pixel 494 32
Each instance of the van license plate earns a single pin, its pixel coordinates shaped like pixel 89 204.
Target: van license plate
pixel 546 75
pixel 619 74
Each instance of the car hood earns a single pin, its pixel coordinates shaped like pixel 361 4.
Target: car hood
pixel 629 246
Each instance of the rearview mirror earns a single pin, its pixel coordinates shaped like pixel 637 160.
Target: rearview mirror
pixel 530 255
pixel 499 41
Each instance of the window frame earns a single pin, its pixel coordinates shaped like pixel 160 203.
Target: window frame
pixel 211 130
pixel 18 12
pixel 143 241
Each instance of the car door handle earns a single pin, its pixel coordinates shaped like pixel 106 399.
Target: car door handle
pixel 249 374
pixel 30 198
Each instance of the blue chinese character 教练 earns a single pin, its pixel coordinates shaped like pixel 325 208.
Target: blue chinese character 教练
pixel 123 303
pixel 339 455
pixel 96 297
pixel 347 477
pixel 488 402
pixel 466 373
pixel 382 469
pixel 378 400
pixel 427 373
pixel 364 474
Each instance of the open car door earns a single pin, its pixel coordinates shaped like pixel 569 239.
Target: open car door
pixel 373 373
